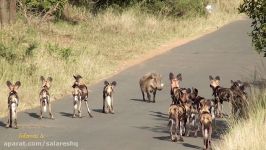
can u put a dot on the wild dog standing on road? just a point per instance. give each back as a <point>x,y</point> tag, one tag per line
<point>194,96</point>
<point>193,124</point>
<point>108,91</point>
<point>239,101</point>
<point>84,93</point>
<point>13,101</point>
<point>177,118</point>
<point>150,83</point>
<point>220,94</point>
<point>45,96</point>
<point>175,85</point>
<point>206,122</point>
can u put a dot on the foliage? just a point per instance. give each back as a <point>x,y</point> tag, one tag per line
<point>256,10</point>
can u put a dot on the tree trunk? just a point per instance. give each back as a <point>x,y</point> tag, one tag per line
<point>12,11</point>
<point>4,13</point>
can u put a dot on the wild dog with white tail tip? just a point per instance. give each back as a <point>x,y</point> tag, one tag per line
<point>206,123</point>
<point>45,101</point>
<point>83,94</point>
<point>108,91</point>
<point>13,102</point>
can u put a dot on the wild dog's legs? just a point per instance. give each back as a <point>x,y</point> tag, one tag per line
<point>88,109</point>
<point>154,94</point>
<point>180,124</point>
<point>103,111</point>
<point>15,120</point>
<point>197,130</point>
<point>8,124</point>
<point>171,122</point>
<point>50,109</point>
<point>41,109</point>
<point>75,107</point>
<point>112,105</point>
<point>209,137</point>
<point>79,109</point>
<point>204,136</point>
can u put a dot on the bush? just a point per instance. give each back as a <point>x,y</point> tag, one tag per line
<point>43,6</point>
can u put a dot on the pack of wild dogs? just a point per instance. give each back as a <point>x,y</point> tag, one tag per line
<point>188,111</point>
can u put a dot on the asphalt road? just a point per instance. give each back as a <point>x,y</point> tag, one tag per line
<point>137,125</point>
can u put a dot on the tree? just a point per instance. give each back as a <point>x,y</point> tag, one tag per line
<point>256,10</point>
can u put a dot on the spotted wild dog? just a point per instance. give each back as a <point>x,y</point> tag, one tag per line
<point>13,102</point>
<point>83,93</point>
<point>220,94</point>
<point>206,122</point>
<point>193,123</point>
<point>175,85</point>
<point>150,83</point>
<point>195,98</point>
<point>108,91</point>
<point>177,118</point>
<point>239,100</point>
<point>45,101</point>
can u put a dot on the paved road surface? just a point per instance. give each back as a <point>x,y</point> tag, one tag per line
<point>137,125</point>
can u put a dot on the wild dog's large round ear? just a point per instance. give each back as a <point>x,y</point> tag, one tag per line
<point>9,84</point>
<point>232,82</point>
<point>106,83</point>
<point>179,77</point>
<point>17,85</point>
<point>217,78</point>
<point>75,77</point>
<point>171,76</point>
<point>188,90</point>
<point>210,77</point>
<point>114,83</point>
<point>50,79</point>
<point>42,78</point>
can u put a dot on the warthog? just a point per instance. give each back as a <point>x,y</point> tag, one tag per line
<point>13,101</point>
<point>150,83</point>
<point>45,96</point>
<point>108,92</point>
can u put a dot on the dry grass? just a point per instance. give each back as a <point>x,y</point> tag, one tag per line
<point>93,48</point>
<point>247,134</point>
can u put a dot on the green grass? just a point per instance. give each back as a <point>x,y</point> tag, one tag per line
<point>94,48</point>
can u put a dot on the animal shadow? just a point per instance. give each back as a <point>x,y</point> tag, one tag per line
<point>33,115</point>
<point>65,114</point>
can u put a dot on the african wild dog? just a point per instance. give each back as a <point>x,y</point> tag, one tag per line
<point>239,101</point>
<point>108,91</point>
<point>44,95</point>
<point>177,118</point>
<point>193,124</point>
<point>175,86</point>
<point>206,122</point>
<point>150,83</point>
<point>81,94</point>
<point>13,102</point>
<point>220,94</point>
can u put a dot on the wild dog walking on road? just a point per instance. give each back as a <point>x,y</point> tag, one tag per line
<point>220,94</point>
<point>44,95</point>
<point>175,86</point>
<point>108,92</point>
<point>13,102</point>
<point>177,119</point>
<point>150,83</point>
<point>206,122</point>
<point>83,94</point>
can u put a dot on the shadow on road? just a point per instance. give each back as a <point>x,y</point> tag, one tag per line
<point>70,115</point>
<point>163,138</point>
<point>159,115</point>
<point>220,128</point>
<point>98,110</point>
<point>136,99</point>
<point>33,115</point>
<point>191,146</point>
<point>2,124</point>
